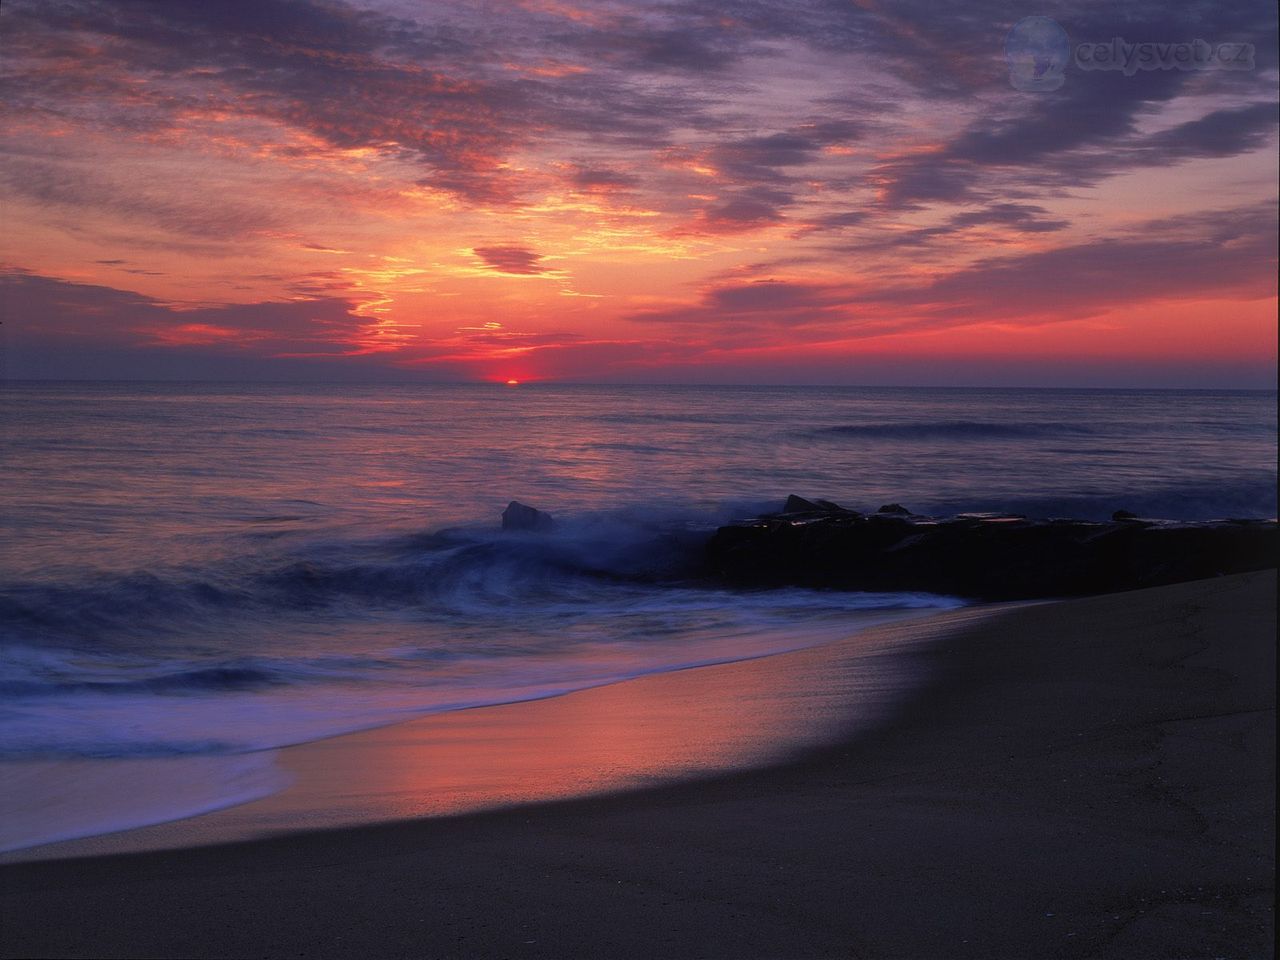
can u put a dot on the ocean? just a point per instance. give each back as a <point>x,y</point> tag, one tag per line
<point>206,572</point>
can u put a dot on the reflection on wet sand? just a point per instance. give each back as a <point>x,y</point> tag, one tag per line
<point>626,735</point>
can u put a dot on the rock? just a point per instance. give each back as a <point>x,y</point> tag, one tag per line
<point>800,505</point>
<point>519,516</point>
<point>895,508</point>
<point>1123,515</point>
<point>1000,558</point>
<point>796,504</point>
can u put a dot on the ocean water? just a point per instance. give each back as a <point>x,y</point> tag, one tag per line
<point>200,573</point>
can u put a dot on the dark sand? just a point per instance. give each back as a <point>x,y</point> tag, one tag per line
<point>1087,779</point>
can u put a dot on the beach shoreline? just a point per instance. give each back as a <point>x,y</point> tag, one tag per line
<point>665,726</point>
<point>1087,778</point>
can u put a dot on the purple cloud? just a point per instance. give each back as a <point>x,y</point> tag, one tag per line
<point>511,259</point>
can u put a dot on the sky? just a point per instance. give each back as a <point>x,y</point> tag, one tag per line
<point>791,191</point>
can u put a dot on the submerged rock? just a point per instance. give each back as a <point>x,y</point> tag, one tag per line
<point>520,516</point>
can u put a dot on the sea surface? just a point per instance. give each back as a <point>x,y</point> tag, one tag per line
<point>206,572</point>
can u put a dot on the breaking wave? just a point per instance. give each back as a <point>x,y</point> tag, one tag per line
<point>253,653</point>
<point>954,430</point>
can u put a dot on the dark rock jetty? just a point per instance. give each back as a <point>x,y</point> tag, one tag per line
<point>817,543</point>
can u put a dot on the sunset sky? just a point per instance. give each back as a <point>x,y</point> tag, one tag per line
<point>791,191</point>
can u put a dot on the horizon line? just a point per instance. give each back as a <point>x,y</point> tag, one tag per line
<point>5,381</point>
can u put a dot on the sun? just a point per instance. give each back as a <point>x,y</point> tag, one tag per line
<point>513,383</point>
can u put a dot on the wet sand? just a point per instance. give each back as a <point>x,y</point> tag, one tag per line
<point>646,731</point>
<point>1082,779</point>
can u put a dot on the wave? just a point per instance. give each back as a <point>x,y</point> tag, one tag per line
<point>306,639</point>
<point>478,573</point>
<point>103,603</point>
<point>64,704</point>
<point>954,429</point>
<point>649,417</point>
<point>1245,499</point>
<point>447,573</point>
<point>251,653</point>
<point>198,680</point>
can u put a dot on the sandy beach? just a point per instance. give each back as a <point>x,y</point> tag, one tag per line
<point>1091,778</point>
